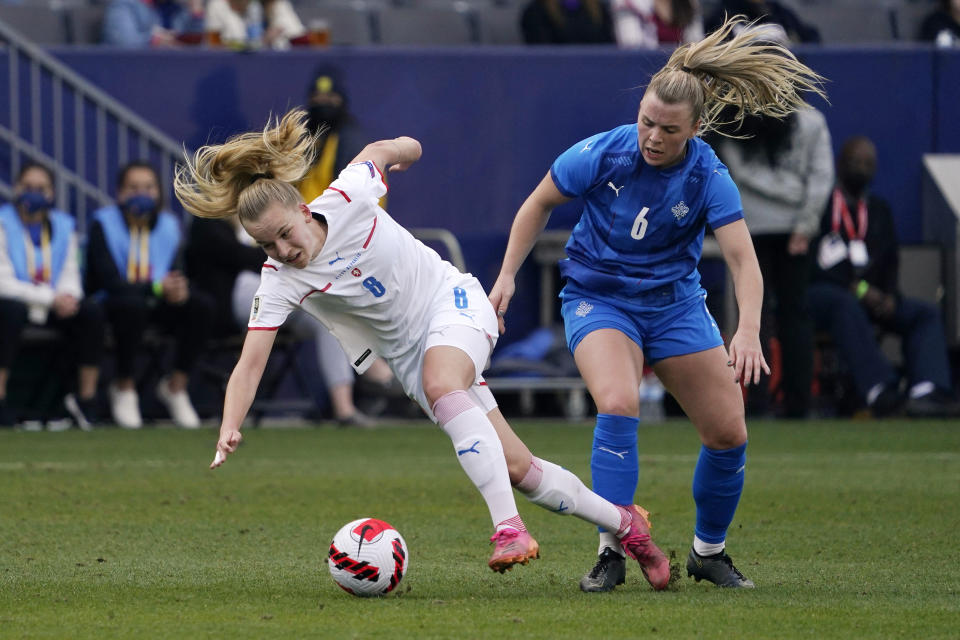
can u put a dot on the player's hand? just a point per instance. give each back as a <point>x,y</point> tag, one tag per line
<point>798,244</point>
<point>408,152</point>
<point>229,441</point>
<point>65,305</point>
<point>176,289</point>
<point>746,358</point>
<point>500,296</point>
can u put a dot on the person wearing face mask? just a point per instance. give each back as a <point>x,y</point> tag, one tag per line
<point>328,115</point>
<point>132,264</point>
<point>40,285</point>
<point>854,288</point>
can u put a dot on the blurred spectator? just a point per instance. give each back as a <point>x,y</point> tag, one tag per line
<point>340,141</point>
<point>648,24</point>
<point>40,284</point>
<point>942,26</point>
<point>855,287</point>
<point>784,169</point>
<point>250,24</point>
<point>329,115</point>
<point>157,23</point>
<point>766,12</point>
<point>132,265</point>
<point>566,22</point>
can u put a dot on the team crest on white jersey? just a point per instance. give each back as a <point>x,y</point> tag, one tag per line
<point>584,308</point>
<point>680,210</point>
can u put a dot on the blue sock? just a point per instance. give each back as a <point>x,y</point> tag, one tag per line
<point>717,485</point>
<point>614,463</point>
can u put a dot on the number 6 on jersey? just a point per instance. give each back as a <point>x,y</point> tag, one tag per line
<point>640,224</point>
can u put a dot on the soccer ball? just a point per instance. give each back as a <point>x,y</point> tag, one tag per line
<point>368,557</point>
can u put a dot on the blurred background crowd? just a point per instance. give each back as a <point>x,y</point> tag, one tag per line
<point>117,309</point>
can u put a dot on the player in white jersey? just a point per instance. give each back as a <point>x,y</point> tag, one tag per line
<point>382,293</point>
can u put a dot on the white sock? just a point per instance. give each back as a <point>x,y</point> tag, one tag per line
<point>610,541</point>
<point>922,389</point>
<point>874,393</point>
<point>707,548</point>
<point>558,490</point>
<point>480,455</point>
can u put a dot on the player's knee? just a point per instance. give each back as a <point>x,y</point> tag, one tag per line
<point>618,402</point>
<point>435,387</point>
<point>725,434</point>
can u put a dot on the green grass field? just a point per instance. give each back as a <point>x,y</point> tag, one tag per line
<point>849,529</point>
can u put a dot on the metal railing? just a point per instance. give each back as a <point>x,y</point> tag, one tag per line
<point>60,120</point>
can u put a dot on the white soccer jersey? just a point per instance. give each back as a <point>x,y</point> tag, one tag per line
<point>373,285</point>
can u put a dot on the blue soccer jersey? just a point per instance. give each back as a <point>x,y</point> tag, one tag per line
<point>641,227</point>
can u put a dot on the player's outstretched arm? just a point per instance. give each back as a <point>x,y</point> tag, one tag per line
<point>397,154</point>
<point>527,226</point>
<point>241,390</point>
<point>746,356</point>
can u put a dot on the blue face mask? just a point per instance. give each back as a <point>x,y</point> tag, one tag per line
<point>140,206</point>
<point>33,201</point>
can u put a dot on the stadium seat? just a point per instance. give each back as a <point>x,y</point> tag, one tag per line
<point>851,24</point>
<point>499,24</point>
<point>350,23</point>
<point>433,25</point>
<point>909,17</point>
<point>39,24</point>
<point>85,23</point>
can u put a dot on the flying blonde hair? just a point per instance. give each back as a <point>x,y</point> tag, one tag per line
<point>249,171</point>
<point>750,72</point>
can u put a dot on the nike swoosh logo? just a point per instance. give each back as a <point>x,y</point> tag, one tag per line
<point>363,536</point>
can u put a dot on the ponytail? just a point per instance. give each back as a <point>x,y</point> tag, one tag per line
<point>740,68</point>
<point>249,171</point>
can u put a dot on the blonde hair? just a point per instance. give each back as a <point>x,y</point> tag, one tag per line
<point>749,72</point>
<point>248,172</point>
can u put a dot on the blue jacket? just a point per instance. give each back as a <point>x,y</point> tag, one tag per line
<point>164,240</point>
<point>130,23</point>
<point>61,228</point>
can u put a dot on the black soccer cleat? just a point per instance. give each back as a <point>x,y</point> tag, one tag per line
<point>717,569</point>
<point>610,570</point>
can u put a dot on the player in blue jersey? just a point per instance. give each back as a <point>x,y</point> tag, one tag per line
<point>632,290</point>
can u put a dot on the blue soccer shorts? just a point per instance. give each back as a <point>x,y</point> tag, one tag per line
<point>673,329</point>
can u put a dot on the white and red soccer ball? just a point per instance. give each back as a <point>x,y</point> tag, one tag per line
<point>368,557</point>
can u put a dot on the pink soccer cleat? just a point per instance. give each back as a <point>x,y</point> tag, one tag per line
<point>512,547</point>
<point>638,545</point>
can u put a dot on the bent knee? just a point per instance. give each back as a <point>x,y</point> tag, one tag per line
<point>618,402</point>
<point>726,434</point>
<point>435,387</point>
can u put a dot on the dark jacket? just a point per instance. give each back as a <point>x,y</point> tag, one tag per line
<point>936,22</point>
<point>578,26</point>
<point>881,241</point>
<point>214,258</point>
<point>771,12</point>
